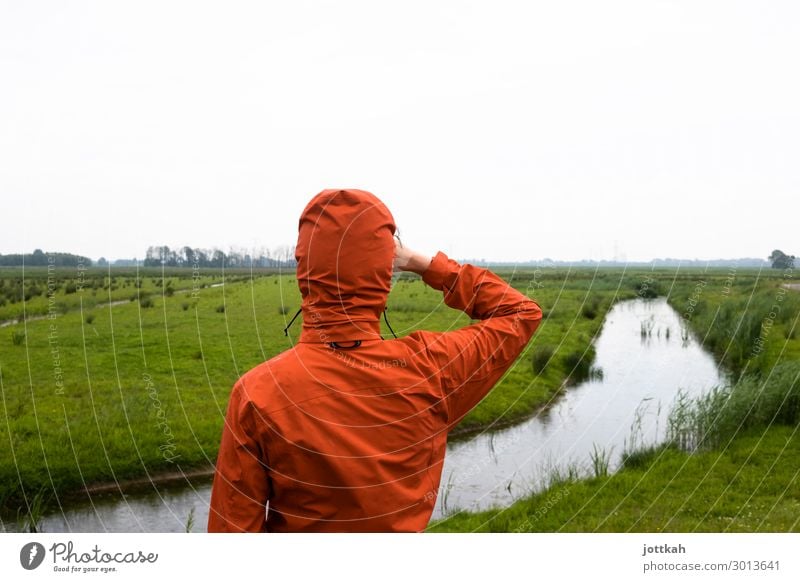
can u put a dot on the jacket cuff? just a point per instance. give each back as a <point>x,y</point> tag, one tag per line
<point>436,272</point>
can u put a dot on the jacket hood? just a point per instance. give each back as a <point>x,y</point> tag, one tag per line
<point>345,251</point>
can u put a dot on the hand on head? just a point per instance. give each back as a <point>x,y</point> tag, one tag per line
<point>406,259</point>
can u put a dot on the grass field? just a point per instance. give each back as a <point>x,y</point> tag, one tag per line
<point>128,376</point>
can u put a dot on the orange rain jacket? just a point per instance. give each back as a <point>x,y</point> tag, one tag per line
<point>340,438</point>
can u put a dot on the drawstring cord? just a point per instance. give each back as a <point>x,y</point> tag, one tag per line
<point>286,329</point>
<point>385,318</point>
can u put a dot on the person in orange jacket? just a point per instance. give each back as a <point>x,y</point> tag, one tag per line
<point>346,432</point>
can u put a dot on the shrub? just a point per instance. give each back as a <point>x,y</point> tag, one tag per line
<point>185,306</point>
<point>17,337</point>
<point>578,364</point>
<point>146,302</point>
<point>33,291</point>
<point>220,309</point>
<point>591,308</point>
<point>90,318</point>
<point>540,358</point>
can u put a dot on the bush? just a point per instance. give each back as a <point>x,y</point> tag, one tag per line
<point>90,318</point>
<point>185,306</point>
<point>146,302</point>
<point>578,364</point>
<point>540,358</point>
<point>17,337</point>
<point>220,309</point>
<point>33,291</point>
<point>70,288</point>
<point>283,309</point>
<point>591,308</point>
<point>169,291</point>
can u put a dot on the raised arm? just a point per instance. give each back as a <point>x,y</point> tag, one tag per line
<point>474,358</point>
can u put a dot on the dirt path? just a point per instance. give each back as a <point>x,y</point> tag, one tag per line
<point>793,286</point>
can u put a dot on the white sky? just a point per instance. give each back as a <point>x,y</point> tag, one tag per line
<point>497,130</point>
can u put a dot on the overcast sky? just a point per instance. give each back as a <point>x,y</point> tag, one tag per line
<point>496,130</point>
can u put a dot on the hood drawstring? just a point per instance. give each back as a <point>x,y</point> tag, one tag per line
<point>286,329</point>
<point>385,318</point>
<point>387,323</point>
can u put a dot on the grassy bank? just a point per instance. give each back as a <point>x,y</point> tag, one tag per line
<point>748,320</point>
<point>752,485</point>
<point>108,388</point>
<point>730,464</point>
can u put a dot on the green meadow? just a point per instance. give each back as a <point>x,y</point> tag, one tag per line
<point>110,376</point>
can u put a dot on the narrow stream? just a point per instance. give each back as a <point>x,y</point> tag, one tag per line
<point>641,375</point>
<point>628,405</point>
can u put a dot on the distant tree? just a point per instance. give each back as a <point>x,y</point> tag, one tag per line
<point>188,256</point>
<point>38,258</point>
<point>781,260</point>
<point>218,259</point>
<point>102,262</point>
<point>151,258</point>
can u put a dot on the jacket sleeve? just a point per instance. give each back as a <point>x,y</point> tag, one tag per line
<point>240,490</point>
<point>474,358</point>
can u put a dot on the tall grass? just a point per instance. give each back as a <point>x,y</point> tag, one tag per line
<point>739,328</point>
<point>29,519</point>
<point>540,358</point>
<point>600,460</point>
<point>719,415</point>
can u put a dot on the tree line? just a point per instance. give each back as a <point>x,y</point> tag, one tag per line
<point>282,256</point>
<point>39,258</point>
<point>156,256</point>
